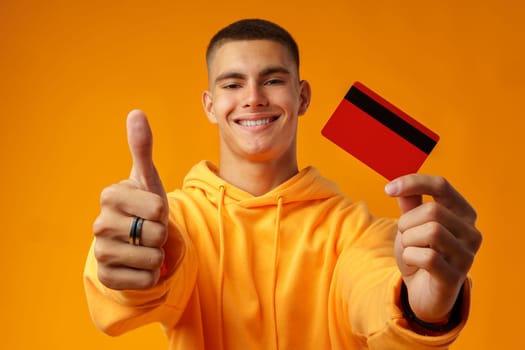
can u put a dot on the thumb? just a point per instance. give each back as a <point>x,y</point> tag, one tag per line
<point>407,202</point>
<point>140,141</point>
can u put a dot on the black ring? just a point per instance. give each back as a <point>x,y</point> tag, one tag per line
<point>132,229</point>
<point>135,230</point>
<point>138,232</point>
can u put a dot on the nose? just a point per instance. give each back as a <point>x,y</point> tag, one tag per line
<point>255,96</point>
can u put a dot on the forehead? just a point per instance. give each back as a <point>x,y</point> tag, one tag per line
<point>243,54</point>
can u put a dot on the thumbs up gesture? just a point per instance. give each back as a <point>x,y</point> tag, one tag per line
<point>125,263</point>
<point>435,245</point>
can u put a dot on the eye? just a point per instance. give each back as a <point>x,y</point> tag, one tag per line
<point>273,81</point>
<point>231,86</point>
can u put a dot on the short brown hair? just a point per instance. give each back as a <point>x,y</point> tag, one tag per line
<point>253,29</point>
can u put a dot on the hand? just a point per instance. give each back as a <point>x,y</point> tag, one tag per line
<point>122,265</point>
<point>435,245</point>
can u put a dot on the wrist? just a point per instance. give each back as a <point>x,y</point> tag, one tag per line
<point>428,328</point>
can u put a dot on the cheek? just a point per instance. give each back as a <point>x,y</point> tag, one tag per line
<point>291,105</point>
<point>288,99</point>
<point>223,105</point>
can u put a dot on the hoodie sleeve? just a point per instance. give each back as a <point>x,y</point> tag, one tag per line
<point>115,312</point>
<point>369,283</point>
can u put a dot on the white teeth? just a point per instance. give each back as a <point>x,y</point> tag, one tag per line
<point>257,122</point>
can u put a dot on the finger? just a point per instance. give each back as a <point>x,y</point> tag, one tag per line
<point>435,236</point>
<point>125,278</point>
<point>119,254</point>
<point>430,260</point>
<point>153,234</point>
<point>140,141</point>
<point>437,187</point>
<point>436,215</point>
<point>117,227</point>
<point>125,198</point>
<point>409,202</point>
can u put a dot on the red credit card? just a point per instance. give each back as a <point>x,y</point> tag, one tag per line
<point>379,134</point>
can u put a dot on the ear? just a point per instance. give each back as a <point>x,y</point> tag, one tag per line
<point>207,104</point>
<point>305,96</point>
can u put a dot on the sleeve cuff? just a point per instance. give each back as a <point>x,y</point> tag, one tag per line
<point>427,328</point>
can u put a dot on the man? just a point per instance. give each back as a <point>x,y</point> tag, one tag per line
<point>257,254</point>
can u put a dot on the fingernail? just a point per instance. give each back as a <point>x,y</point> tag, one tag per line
<point>392,188</point>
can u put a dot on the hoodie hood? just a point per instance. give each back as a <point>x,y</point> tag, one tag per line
<point>307,185</point>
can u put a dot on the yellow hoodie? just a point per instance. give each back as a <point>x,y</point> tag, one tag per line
<point>301,267</point>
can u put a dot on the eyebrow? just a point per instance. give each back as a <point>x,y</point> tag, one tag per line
<point>265,72</point>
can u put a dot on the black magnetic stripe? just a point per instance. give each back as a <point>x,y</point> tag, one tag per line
<point>390,119</point>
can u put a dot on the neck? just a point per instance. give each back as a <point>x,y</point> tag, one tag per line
<point>258,178</point>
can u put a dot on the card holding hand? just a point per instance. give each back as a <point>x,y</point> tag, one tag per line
<point>379,134</point>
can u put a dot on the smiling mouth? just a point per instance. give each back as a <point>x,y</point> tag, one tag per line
<point>257,122</point>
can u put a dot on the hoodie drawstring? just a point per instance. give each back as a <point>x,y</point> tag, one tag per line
<point>276,265</point>
<point>221,265</point>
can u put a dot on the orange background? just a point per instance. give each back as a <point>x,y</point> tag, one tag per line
<point>70,72</point>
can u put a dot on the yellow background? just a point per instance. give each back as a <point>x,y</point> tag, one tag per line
<point>71,70</point>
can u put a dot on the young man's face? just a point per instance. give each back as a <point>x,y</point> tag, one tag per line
<point>255,97</point>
